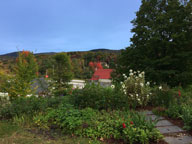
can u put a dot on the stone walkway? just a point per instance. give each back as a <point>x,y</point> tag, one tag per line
<point>173,134</point>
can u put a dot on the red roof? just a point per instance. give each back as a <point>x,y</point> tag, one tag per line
<point>102,74</point>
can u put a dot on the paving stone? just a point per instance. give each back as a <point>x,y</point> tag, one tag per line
<point>146,112</point>
<point>170,129</point>
<point>179,140</point>
<point>163,123</point>
<point>154,117</point>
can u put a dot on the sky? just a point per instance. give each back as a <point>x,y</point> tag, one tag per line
<point>65,25</point>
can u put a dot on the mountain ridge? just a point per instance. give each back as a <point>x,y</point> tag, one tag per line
<point>15,54</point>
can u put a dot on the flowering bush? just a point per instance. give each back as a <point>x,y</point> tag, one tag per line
<point>135,88</point>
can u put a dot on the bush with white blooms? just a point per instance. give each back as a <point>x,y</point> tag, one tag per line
<point>135,88</point>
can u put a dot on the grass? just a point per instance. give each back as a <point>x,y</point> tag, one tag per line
<point>13,134</point>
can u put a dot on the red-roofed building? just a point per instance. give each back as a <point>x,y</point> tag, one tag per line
<point>103,76</point>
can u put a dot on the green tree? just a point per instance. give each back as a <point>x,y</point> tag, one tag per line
<point>62,71</point>
<point>162,42</point>
<point>24,73</point>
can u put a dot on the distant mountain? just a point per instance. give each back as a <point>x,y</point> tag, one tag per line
<point>105,50</point>
<point>15,54</point>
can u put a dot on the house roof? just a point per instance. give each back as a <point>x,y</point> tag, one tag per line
<point>102,74</point>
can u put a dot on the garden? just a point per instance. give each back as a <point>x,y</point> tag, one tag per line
<point>154,73</point>
<point>97,114</point>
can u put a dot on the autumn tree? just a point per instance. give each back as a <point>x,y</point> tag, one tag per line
<point>25,72</point>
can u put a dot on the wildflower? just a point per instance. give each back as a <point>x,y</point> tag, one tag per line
<point>179,93</point>
<point>123,86</point>
<point>131,122</point>
<point>148,83</point>
<point>131,74</point>
<point>124,126</point>
<point>131,95</point>
<point>112,86</point>
<point>140,75</point>
<point>124,75</point>
<point>46,76</point>
<point>137,95</point>
<point>141,84</point>
<point>130,70</point>
<point>160,87</point>
<point>29,95</point>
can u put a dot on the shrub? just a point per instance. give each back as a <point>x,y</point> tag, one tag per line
<point>97,97</point>
<point>174,111</point>
<point>186,116</point>
<point>28,106</point>
<point>135,88</point>
<point>162,96</point>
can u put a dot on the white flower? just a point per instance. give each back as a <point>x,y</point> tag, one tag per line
<point>121,82</point>
<point>131,95</point>
<point>143,73</point>
<point>112,86</point>
<point>131,74</point>
<point>140,75</point>
<point>123,86</point>
<point>141,84</point>
<point>130,70</point>
<point>124,75</point>
<point>137,95</point>
<point>160,87</point>
<point>150,93</point>
<point>29,95</point>
<point>147,95</point>
<point>138,71</point>
<point>148,83</point>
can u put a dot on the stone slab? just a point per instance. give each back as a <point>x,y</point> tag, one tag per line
<point>163,123</point>
<point>154,117</point>
<point>179,140</point>
<point>170,129</point>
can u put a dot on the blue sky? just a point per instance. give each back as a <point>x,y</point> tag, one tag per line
<point>65,25</point>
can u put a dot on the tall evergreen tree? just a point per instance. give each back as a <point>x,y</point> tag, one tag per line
<point>162,42</point>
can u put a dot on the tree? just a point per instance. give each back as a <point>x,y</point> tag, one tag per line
<point>24,73</point>
<point>162,42</point>
<point>62,71</point>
